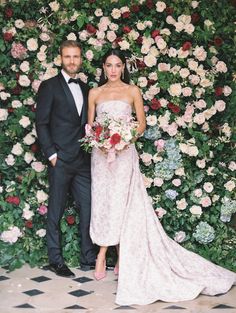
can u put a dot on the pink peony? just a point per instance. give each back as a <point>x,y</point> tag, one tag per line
<point>18,51</point>
<point>42,210</point>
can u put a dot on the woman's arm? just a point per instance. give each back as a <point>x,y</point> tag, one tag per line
<point>139,110</point>
<point>91,105</point>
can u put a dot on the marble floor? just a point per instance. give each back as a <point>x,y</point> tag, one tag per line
<point>39,290</point>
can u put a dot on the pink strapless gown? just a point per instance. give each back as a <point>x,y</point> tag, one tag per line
<point>152,265</point>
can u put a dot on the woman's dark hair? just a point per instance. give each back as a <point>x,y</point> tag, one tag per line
<point>125,77</point>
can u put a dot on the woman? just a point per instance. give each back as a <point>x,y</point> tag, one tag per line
<point>151,266</point>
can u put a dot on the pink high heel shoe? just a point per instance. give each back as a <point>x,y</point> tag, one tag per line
<point>116,270</point>
<point>100,275</point>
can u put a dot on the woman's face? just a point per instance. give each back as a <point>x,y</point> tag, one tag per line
<point>113,68</point>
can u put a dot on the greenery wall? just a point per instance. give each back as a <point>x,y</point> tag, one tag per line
<point>181,54</point>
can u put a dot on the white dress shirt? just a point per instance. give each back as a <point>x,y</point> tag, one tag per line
<point>78,98</point>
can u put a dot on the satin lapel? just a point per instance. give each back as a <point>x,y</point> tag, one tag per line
<point>85,105</point>
<point>69,96</point>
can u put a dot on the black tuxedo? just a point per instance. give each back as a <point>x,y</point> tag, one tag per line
<point>59,128</point>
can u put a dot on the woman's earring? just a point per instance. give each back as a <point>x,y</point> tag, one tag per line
<point>105,76</point>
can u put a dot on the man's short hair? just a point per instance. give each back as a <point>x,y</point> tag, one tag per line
<point>70,43</point>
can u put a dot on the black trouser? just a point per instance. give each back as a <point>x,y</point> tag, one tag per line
<point>65,177</point>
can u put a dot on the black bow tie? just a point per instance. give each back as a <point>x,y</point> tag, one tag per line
<point>73,80</point>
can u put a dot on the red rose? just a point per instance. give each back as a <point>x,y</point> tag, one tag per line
<point>127,29</point>
<point>149,4</point>
<point>8,12</point>
<point>218,41</point>
<point>29,224</point>
<point>135,8</point>
<point>156,104</point>
<point>34,148</point>
<point>150,82</point>
<point>141,64</point>
<point>187,45</point>
<point>126,14</point>
<point>174,108</point>
<point>13,200</point>
<point>115,138</point>
<point>118,39</point>
<point>70,219</point>
<point>139,40</point>
<point>7,36</point>
<point>98,131</point>
<point>169,10</point>
<point>17,90</point>
<point>155,33</point>
<point>218,91</point>
<point>10,110</point>
<point>90,29</point>
<point>195,17</point>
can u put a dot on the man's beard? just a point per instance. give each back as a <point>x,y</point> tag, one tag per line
<point>69,70</point>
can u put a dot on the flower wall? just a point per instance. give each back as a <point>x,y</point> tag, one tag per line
<point>180,54</point>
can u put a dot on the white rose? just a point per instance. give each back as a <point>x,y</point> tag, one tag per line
<point>194,4</point>
<point>10,160</point>
<point>180,171</point>
<point>29,139</point>
<point>24,66</point>
<point>189,29</point>
<point>226,129</point>
<point>44,37</point>
<point>17,149</point>
<point>146,158</point>
<point>186,91</point>
<point>200,53</point>
<point>151,120</point>
<point>111,35</point>
<point>71,36</point>
<point>232,166</point>
<point>200,104</point>
<point>176,182</point>
<point>98,12</point>
<point>179,236</point>
<point>160,6</point>
<point>179,26</point>
<point>230,185</point>
<point>184,72</point>
<point>24,121</point>
<point>208,187</point>
<point>192,64</point>
<point>201,163</point>
<point>181,204</point>
<point>220,105</point>
<point>160,212</point>
<point>196,210</point>
<point>124,45</point>
<point>57,60</point>
<point>205,202</point>
<point>197,192</point>
<point>113,26</point>
<point>160,42</point>
<point>3,114</point>
<point>133,35</point>
<point>193,151</point>
<point>11,235</point>
<point>41,232</point>
<point>19,23</point>
<point>215,198</point>
<point>147,181</point>
<point>150,60</point>
<point>185,19</point>
<point>54,6</point>
<point>32,44</point>
<point>89,55</point>
<point>163,67</point>
<point>172,52</point>
<point>41,196</point>
<point>140,26</point>
<point>170,20</point>
<point>116,14</point>
<point>175,90</point>
<point>208,23</point>
<point>194,79</point>
<point>158,182</point>
<point>24,81</point>
<point>221,67</point>
<point>29,157</point>
<point>142,82</point>
<point>27,214</point>
<point>38,166</point>
<point>83,35</point>
<point>209,112</point>
<point>199,119</point>
<point>227,91</point>
<point>16,104</point>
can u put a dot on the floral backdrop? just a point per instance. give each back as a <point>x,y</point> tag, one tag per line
<point>180,54</point>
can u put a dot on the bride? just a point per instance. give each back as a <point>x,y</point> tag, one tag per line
<point>150,266</point>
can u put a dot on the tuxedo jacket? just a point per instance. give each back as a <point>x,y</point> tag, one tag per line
<point>58,124</point>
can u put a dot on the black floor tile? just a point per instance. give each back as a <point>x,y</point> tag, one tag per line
<point>125,307</point>
<point>25,306</point>
<point>174,307</point>
<point>83,279</point>
<point>223,306</point>
<point>33,292</point>
<point>3,278</point>
<point>40,279</point>
<point>80,293</point>
<point>74,307</point>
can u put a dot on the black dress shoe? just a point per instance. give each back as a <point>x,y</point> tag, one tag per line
<point>61,270</point>
<point>87,266</point>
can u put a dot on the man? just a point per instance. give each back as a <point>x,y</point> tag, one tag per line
<point>60,118</point>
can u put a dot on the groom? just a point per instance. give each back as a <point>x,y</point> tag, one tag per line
<point>60,118</point>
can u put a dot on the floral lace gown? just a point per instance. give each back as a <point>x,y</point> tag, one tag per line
<point>152,265</point>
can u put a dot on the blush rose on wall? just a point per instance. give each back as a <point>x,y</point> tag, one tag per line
<point>180,54</point>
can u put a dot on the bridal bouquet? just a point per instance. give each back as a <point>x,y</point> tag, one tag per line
<point>110,134</point>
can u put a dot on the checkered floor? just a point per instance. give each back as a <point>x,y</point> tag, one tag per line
<point>39,290</point>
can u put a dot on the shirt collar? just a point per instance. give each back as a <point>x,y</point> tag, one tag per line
<point>66,76</point>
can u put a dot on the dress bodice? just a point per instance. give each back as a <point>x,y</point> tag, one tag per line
<point>114,108</point>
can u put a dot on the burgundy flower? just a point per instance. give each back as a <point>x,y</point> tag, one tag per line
<point>33,108</point>
<point>195,17</point>
<point>187,45</point>
<point>10,110</point>
<point>34,148</point>
<point>16,90</point>
<point>218,91</point>
<point>218,41</point>
<point>126,14</point>
<point>174,108</point>
<point>135,8</point>
<point>8,12</point>
<point>29,224</point>
<point>127,29</point>
<point>150,82</point>
<point>155,33</point>
<point>90,29</point>
<point>70,219</point>
<point>139,40</point>
<point>118,39</point>
<point>156,104</point>
<point>141,64</point>
<point>149,4</point>
<point>13,200</point>
<point>17,76</point>
<point>169,10</point>
<point>115,138</point>
<point>7,36</point>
